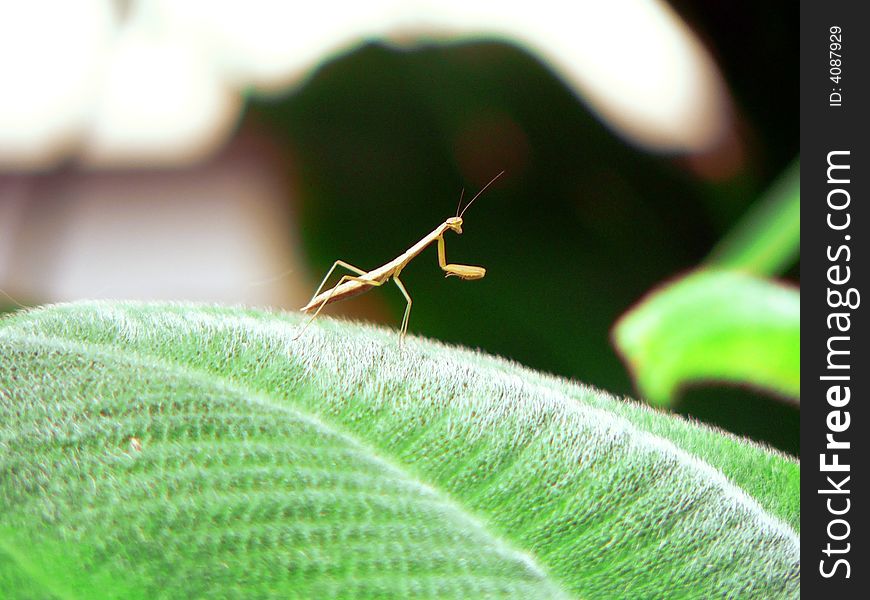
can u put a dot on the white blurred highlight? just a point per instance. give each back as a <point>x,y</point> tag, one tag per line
<point>163,84</point>
<point>161,97</point>
<point>267,44</point>
<point>634,62</point>
<point>638,65</point>
<point>52,57</point>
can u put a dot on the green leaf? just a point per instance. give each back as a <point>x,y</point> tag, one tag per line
<point>713,325</point>
<point>182,451</point>
<point>767,240</point>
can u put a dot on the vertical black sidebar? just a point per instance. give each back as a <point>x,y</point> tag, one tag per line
<point>835,370</point>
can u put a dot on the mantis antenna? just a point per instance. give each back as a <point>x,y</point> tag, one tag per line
<point>477,195</point>
<point>458,206</point>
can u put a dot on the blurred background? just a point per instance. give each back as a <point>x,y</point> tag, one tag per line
<point>230,152</point>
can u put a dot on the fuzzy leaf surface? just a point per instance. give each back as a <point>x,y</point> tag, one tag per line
<point>156,450</point>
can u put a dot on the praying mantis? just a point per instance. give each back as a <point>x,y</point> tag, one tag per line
<point>362,281</point>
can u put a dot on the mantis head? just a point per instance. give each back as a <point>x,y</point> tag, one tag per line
<point>455,223</point>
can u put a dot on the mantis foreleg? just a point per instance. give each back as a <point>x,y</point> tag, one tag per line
<point>461,271</point>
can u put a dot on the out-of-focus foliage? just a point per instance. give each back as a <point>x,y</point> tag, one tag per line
<point>767,240</point>
<point>182,451</point>
<point>721,324</point>
<point>714,325</point>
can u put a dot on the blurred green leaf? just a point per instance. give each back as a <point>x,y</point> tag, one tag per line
<point>342,465</point>
<point>767,240</point>
<point>713,325</point>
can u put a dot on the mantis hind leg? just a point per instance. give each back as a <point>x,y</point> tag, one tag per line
<point>338,263</point>
<point>404,330</point>
<point>344,279</point>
